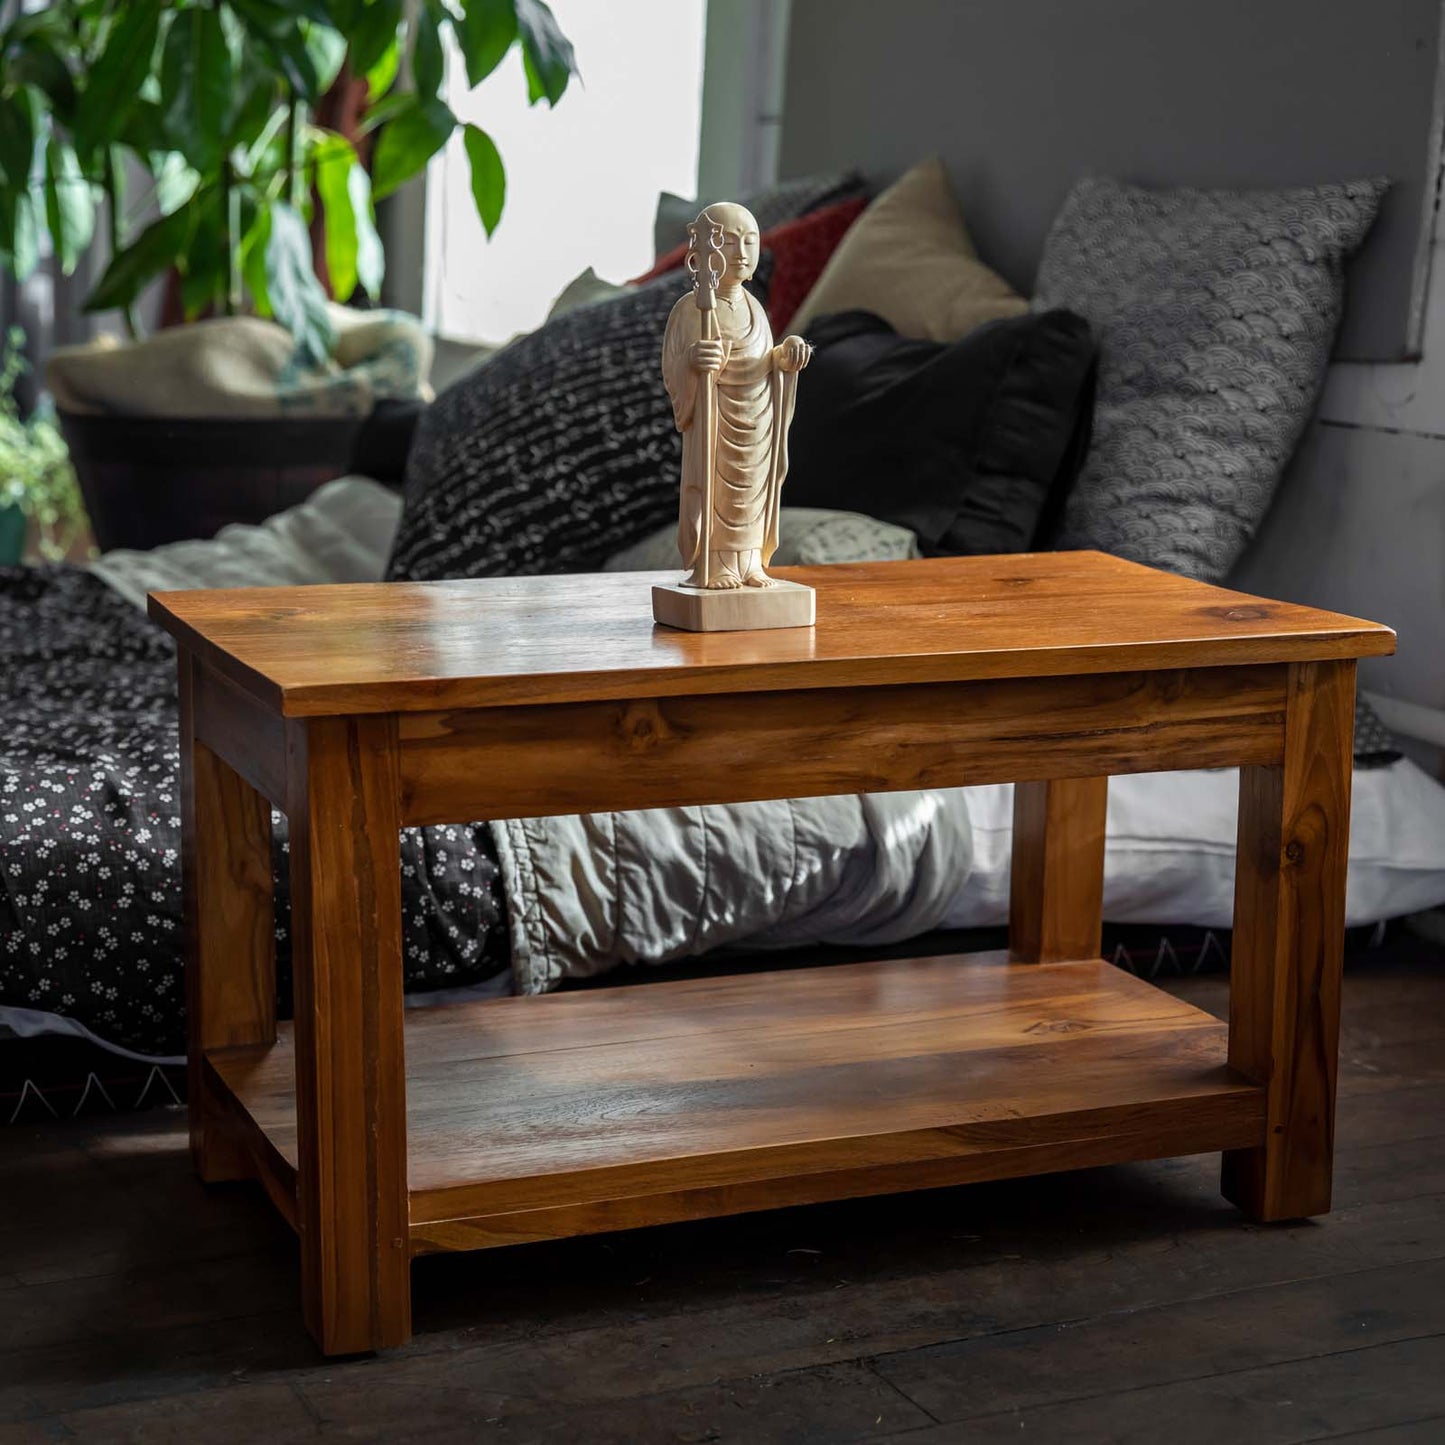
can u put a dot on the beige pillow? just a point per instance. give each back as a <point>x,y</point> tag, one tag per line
<point>908,258</point>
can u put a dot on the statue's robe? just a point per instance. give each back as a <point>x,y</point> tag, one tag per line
<point>748,459</point>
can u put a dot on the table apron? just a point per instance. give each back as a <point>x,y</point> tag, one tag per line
<point>534,761</point>
<point>246,734</point>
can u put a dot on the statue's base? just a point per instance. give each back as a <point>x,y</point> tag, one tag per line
<point>733,609</point>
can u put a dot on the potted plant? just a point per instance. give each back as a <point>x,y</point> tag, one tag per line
<point>38,489</point>
<point>219,118</point>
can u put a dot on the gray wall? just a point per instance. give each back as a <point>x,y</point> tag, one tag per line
<point>1021,97</point>
<point>742,95</point>
<point>1359,524</point>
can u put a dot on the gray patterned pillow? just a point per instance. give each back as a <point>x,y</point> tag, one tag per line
<point>806,536</point>
<point>1214,312</point>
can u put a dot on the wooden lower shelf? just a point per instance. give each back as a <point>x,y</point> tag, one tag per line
<point>535,1118</point>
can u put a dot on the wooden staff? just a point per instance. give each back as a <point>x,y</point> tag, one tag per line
<point>706,264</point>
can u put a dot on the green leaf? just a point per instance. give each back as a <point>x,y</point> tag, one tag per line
<point>196,86</point>
<point>17,140</point>
<point>297,300</point>
<point>427,64</point>
<point>204,269</point>
<point>115,79</point>
<point>385,109</point>
<point>253,254</point>
<point>489,179</point>
<point>485,33</point>
<point>373,33</point>
<point>381,75</point>
<point>69,203</point>
<point>24,237</point>
<point>276,31</point>
<point>323,12</point>
<point>143,131</point>
<point>408,142</point>
<point>160,245</point>
<point>335,160</point>
<point>175,179</point>
<point>353,247</point>
<point>259,100</point>
<point>370,253</point>
<point>327,49</point>
<point>547,54</point>
<point>38,61</point>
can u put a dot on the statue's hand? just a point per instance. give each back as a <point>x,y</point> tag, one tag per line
<point>793,353</point>
<point>706,356</point>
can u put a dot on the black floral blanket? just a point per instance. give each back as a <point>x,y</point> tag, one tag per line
<point>90,877</point>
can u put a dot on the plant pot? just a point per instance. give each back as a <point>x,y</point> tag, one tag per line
<point>151,480</point>
<point>12,535</point>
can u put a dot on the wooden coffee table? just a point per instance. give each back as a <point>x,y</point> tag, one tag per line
<point>358,710</point>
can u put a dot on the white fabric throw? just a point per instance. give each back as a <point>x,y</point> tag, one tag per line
<point>586,893</point>
<point>342,532</point>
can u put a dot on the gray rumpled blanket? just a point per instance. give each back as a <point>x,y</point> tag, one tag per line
<point>588,892</point>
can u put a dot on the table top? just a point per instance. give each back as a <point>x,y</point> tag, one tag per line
<point>419,646</point>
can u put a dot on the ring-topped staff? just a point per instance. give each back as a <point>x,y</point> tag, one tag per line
<point>706,264</point>
<point>733,393</point>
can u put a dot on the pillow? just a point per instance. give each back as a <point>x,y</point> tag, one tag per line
<point>795,253</point>
<point>550,457</point>
<point>1215,312</point>
<point>783,201</point>
<point>554,454</point>
<point>970,445</point>
<point>584,289</point>
<point>806,535</point>
<point>909,259</point>
<point>800,250</point>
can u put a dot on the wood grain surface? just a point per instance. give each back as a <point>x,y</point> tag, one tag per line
<point>1056,883</point>
<point>427,646</point>
<point>672,752</point>
<point>576,1112</point>
<point>350,1155</point>
<point>230,925</point>
<point>1288,950</point>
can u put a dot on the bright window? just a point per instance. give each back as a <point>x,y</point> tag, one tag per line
<point>582,180</point>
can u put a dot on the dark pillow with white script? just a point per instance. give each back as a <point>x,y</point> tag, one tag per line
<point>558,452</point>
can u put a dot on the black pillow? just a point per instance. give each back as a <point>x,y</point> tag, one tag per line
<point>551,456</point>
<point>555,454</point>
<point>973,444</point>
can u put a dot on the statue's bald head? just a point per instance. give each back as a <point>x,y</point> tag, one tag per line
<point>740,237</point>
<point>735,219</point>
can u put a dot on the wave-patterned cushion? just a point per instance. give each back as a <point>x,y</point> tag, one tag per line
<point>1214,312</point>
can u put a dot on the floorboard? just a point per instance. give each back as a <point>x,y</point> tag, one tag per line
<point>1123,1304</point>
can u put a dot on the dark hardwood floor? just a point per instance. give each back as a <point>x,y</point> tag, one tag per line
<point>1122,1305</point>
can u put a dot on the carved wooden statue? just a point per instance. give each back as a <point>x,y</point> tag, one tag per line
<point>732,396</point>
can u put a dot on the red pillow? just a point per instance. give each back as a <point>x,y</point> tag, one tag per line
<point>799,250</point>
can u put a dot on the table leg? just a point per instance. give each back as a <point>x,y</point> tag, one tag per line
<point>229,926</point>
<point>350,1057</point>
<point>1056,887</point>
<point>1289,923</point>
